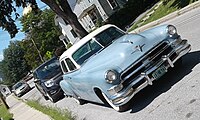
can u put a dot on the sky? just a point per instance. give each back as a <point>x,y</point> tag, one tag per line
<point>5,37</point>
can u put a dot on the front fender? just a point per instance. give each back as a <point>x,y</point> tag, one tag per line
<point>66,88</point>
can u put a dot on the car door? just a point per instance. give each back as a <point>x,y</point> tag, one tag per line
<point>76,86</point>
<point>81,86</point>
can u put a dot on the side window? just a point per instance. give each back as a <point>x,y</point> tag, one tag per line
<point>64,66</point>
<point>70,64</point>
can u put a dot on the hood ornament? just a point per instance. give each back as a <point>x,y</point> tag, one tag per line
<point>138,48</point>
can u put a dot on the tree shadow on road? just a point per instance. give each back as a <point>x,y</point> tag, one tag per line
<point>147,95</point>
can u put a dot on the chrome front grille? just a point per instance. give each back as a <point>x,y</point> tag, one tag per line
<point>153,56</point>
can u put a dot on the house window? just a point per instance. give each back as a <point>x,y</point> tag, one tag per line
<point>73,33</point>
<point>113,3</point>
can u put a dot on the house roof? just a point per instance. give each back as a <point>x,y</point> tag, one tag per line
<point>84,40</point>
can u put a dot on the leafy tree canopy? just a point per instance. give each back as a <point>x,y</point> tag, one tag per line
<point>40,28</point>
<point>14,65</point>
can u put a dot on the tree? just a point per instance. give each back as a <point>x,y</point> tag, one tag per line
<point>41,29</point>
<point>60,7</point>
<point>15,66</point>
<point>3,70</point>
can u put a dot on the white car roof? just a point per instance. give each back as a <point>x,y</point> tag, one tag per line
<point>72,49</point>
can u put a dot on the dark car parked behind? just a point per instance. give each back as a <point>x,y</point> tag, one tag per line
<point>47,78</point>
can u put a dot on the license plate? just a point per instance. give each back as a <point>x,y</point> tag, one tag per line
<point>159,72</point>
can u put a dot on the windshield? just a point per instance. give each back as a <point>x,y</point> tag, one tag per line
<point>48,70</point>
<point>17,85</point>
<point>100,41</point>
<point>106,37</point>
<point>86,51</point>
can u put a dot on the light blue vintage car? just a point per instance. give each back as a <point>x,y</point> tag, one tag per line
<point>110,66</point>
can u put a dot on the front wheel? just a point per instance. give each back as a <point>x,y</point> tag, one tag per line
<point>43,95</point>
<point>51,98</point>
<point>117,108</point>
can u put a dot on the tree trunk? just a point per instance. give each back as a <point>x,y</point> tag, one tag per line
<point>75,24</point>
<point>64,11</point>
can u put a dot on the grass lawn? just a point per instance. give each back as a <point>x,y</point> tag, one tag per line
<point>4,113</point>
<point>54,113</point>
<point>167,7</point>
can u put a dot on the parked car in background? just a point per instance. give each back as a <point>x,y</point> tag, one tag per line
<point>20,88</point>
<point>47,78</point>
<point>109,66</point>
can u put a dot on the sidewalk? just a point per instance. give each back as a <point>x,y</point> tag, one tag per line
<point>21,111</point>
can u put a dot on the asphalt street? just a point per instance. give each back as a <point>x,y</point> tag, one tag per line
<point>176,96</point>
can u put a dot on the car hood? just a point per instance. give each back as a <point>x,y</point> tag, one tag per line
<point>123,52</point>
<point>56,78</point>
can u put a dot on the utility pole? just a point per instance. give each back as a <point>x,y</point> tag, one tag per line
<point>37,50</point>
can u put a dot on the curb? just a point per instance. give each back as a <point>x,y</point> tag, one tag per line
<point>167,17</point>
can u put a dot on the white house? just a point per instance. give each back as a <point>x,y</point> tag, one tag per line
<point>89,13</point>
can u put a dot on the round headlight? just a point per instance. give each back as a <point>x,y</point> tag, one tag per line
<point>110,76</point>
<point>171,30</point>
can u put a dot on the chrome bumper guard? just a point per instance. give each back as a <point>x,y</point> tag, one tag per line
<point>126,94</point>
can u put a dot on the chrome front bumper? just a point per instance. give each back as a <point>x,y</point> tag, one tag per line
<point>123,96</point>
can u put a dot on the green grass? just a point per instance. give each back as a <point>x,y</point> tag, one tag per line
<point>4,113</point>
<point>164,9</point>
<point>54,113</point>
